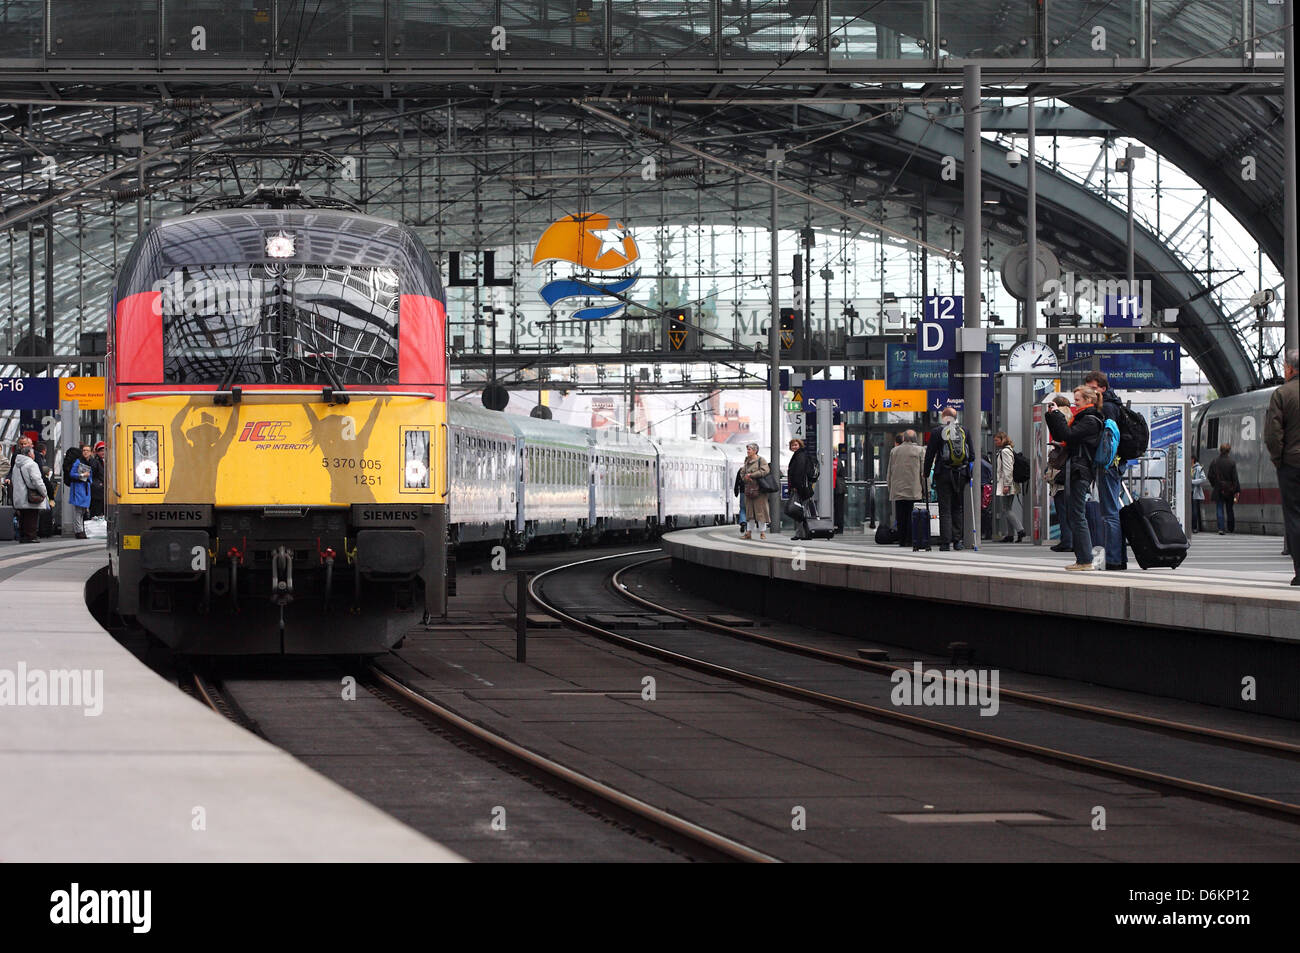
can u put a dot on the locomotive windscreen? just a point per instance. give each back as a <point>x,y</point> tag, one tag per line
<point>280,324</point>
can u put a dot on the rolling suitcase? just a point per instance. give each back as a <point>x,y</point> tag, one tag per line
<point>45,527</point>
<point>7,523</point>
<point>920,527</point>
<point>1153,531</point>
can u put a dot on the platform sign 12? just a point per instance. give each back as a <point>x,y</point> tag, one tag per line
<point>936,335</point>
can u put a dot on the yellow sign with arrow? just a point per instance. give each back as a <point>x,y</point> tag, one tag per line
<point>877,399</point>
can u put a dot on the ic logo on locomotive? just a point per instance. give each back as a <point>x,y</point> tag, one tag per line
<point>264,431</point>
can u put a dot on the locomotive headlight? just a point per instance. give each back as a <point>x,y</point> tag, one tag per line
<point>145,459</point>
<point>416,472</point>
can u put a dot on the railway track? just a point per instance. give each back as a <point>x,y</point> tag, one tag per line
<point>632,814</point>
<point>1244,771</point>
<point>699,842</point>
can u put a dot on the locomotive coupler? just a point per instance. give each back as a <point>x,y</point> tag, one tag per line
<point>282,576</point>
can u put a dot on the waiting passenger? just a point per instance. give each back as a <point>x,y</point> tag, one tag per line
<point>1057,458</point>
<point>1282,437</point>
<point>1224,487</point>
<point>30,495</point>
<point>80,476</point>
<point>1006,486</point>
<point>1080,437</point>
<point>1108,477</point>
<point>739,491</point>
<point>753,470</point>
<point>905,484</point>
<point>948,452</point>
<point>1199,482</point>
<point>804,471</point>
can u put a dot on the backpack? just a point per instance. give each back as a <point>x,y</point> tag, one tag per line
<point>1020,468</point>
<point>814,467</point>
<point>1107,445</point>
<point>1134,433</point>
<point>955,451</point>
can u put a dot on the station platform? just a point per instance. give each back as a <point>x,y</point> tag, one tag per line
<point>103,760</point>
<point>1227,613</point>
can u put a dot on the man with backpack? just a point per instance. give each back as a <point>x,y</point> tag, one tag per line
<point>1134,437</point>
<point>948,452</point>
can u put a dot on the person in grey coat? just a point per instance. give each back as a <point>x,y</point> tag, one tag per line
<point>905,486</point>
<point>25,476</point>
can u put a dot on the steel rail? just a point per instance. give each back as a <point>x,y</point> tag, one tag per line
<point>1281,809</point>
<point>888,668</point>
<point>656,816</point>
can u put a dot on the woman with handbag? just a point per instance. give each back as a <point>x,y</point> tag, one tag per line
<point>757,476</point>
<point>29,494</point>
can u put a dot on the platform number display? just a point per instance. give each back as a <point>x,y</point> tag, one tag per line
<point>936,335</point>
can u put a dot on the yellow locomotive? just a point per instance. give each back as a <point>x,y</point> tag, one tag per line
<point>277,402</point>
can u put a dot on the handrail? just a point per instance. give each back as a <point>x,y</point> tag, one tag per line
<point>244,394</point>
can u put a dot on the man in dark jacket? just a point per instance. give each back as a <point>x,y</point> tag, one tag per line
<point>1108,478</point>
<point>98,467</point>
<point>1080,437</point>
<point>950,480</point>
<point>1282,437</point>
<point>1225,486</point>
<point>802,475</point>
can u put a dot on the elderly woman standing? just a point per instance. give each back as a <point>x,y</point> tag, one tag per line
<point>30,494</point>
<point>754,468</point>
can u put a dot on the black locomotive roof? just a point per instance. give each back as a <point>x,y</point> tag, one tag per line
<point>238,236</point>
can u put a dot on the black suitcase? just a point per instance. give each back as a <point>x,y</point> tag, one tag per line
<point>1153,531</point>
<point>7,523</point>
<point>45,527</point>
<point>819,527</point>
<point>920,527</point>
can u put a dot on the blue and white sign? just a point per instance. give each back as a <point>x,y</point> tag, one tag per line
<point>1166,430</point>
<point>903,371</point>
<point>29,393</point>
<point>957,384</point>
<point>1133,365</point>
<point>1123,311</point>
<point>847,395</point>
<point>936,334</point>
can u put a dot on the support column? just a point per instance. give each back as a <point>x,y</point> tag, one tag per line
<point>972,362</point>
<point>1035,497</point>
<point>775,157</point>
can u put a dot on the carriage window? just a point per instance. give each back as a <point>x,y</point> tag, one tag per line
<point>1212,440</point>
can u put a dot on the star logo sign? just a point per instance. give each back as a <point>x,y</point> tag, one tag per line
<point>611,239</point>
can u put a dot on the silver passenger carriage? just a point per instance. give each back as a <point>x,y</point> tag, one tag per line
<point>623,481</point>
<point>694,484</point>
<point>483,450</point>
<point>555,479</point>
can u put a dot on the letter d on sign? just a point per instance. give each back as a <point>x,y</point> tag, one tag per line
<point>931,338</point>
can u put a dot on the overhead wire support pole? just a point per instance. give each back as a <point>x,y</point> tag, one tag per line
<point>972,361</point>
<point>775,157</point>
<point>1036,498</point>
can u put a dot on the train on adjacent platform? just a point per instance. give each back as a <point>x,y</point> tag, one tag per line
<point>1239,422</point>
<point>287,473</point>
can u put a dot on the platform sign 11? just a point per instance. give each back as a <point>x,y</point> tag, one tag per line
<point>1123,311</point>
<point>29,393</point>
